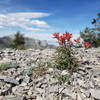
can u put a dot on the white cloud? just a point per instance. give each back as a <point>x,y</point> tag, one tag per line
<point>28,15</point>
<point>24,20</point>
<point>39,23</point>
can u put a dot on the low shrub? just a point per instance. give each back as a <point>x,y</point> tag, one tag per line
<point>39,71</point>
<point>63,78</point>
<point>27,72</point>
<point>7,65</point>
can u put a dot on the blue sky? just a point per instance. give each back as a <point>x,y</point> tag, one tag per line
<point>40,18</point>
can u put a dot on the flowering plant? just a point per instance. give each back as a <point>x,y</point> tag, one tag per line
<point>63,38</point>
<point>64,58</point>
<point>77,42</point>
<point>86,44</point>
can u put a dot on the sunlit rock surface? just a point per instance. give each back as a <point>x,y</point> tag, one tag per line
<point>25,82</point>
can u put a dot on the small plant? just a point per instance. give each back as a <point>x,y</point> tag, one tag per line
<point>64,54</point>
<point>63,78</point>
<point>86,44</point>
<point>7,65</point>
<point>78,42</point>
<point>27,72</point>
<point>39,71</point>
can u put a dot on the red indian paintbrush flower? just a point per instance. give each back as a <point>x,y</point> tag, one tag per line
<point>56,35</point>
<point>78,40</point>
<point>67,35</point>
<point>61,39</point>
<point>86,44</point>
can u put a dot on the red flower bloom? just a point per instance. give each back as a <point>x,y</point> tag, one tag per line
<point>67,35</point>
<point>78,40</point>
<point>62,39</point>
<point>86,44</point>
<point>56,35</point>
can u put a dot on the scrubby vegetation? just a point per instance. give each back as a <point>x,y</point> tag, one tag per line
<point>27,72</point>
<point>7,65</point>
<point>18,42</point>
<point>63,78</point>
<point>64,59</point>
<point>92,35</point>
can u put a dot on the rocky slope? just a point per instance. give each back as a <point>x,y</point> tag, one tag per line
<point>33,77</point>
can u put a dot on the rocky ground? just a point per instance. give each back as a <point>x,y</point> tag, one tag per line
<point>31,76</point>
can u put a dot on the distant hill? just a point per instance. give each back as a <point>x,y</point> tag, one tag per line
<point>29,43</point>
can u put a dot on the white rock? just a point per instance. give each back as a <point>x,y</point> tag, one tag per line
<point>95,93</point>
<point>79,97</point>
<point>39,98</point>
<point>23,84</point>
<point>50,70</point>
<point>64,72</point>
